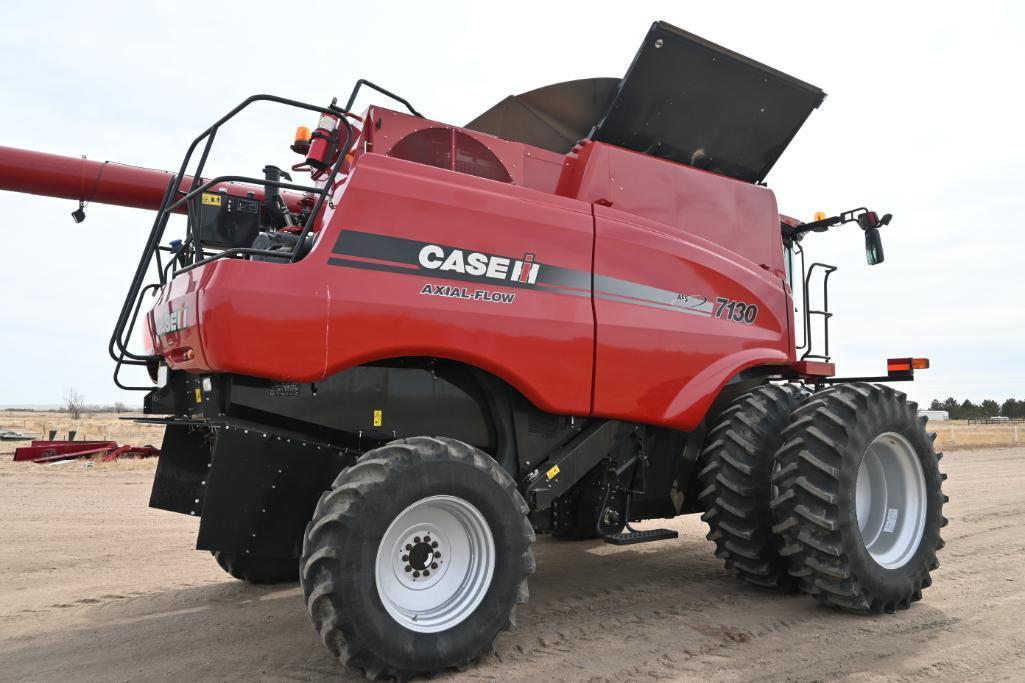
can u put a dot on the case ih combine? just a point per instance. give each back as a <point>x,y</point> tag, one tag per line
<point>574,313</point>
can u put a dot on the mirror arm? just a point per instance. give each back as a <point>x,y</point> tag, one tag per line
<point>851,216</point>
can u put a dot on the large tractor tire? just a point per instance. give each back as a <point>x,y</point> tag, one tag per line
<point>859,503</point>
<point>259,569</point>
<point>736,484</point>
<point>416,558</point>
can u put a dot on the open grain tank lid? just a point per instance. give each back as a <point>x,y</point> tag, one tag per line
<point>554,117</point>
<point>683,99</point>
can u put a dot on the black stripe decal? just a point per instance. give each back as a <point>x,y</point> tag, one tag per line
<point>404,252</point>
<point>446,275</point>
<point>380,247</point>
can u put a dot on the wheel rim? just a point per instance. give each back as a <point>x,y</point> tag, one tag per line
<point>435,563</point>
<point>890,500</point>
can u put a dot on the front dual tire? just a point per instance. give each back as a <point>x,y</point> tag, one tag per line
<point>838,493</point>
<point>859,502</point>
<point>416,558</point>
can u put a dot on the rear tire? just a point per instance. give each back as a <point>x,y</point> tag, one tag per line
<point>860,505</point>
<point>736,484</point>
<point>416,558</point>
<point>259,569</point>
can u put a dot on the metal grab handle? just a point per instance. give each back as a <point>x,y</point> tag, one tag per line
<point>826,315</point>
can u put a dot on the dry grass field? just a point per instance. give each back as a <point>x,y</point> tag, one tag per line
<point>91,427</point>
<point>950,435</point>
<point>958,434</point>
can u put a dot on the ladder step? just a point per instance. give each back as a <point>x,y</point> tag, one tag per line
<point>632,537</point>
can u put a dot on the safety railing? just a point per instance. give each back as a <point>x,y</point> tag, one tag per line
<point>190,253</point>
<point>807,336</point>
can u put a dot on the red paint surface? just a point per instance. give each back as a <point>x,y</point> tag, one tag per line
<point>599,209</point>
<point>621,214</point>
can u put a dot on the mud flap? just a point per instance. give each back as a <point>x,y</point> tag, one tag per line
<point>182,469</point>
<point>262,490</point>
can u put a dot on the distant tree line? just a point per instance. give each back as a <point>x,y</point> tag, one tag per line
<point>988,408</point>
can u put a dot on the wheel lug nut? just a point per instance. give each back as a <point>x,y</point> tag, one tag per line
<point>405,558</point>
<point>416,539</point>
<point>427,539</point>
<point>408,568</point>
<point>416,575</point>
<point>434,545</point>
<point>437,554</point>
<point>434,565</point>
<point>409,547</point>
<point>427,572</point>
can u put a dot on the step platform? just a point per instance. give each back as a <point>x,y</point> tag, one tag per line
<point>645,536</point>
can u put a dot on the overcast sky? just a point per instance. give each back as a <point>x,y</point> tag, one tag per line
<point>923,119</point>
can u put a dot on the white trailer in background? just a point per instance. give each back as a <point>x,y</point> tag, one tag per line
<point>934,414</point>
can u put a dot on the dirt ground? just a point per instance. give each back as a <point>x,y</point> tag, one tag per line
<point>94,586</point>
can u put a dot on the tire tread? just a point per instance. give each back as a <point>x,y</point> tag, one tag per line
<point>735,484</point>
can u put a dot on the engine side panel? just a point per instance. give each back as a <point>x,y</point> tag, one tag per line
<point>503,286</point>
<point>425,262</point>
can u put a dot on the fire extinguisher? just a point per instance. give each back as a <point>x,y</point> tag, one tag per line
<point>323,142</point>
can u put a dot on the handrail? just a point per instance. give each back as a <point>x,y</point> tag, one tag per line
<point>239,179</point>
<point>799,250</point>
<point>361,82</point>
<point>175,196</point>
<point>808,312</point>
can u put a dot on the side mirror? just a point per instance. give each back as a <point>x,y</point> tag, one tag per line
<point>873,246</point>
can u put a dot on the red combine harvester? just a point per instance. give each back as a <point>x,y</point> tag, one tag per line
<point>574,313</point>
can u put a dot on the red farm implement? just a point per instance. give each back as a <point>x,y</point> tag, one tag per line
<point>54,451</point>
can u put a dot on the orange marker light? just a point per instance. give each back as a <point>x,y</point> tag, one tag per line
<point>906,364</point>
<point>302,140</point>
<point>820,215</point>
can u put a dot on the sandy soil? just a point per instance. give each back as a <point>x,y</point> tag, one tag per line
<point>95,586</point>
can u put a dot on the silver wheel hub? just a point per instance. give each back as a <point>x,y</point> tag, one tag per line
<point>890,500</point>
<point>435,563</point>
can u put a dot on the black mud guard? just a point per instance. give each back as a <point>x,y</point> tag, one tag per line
<point>182,469</point>
<point>262,490</point>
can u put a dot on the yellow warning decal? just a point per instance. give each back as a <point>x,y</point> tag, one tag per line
<point>552,473</point>
<point>211,199</point>
<point>378,418</point>
<point>199,396</point>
